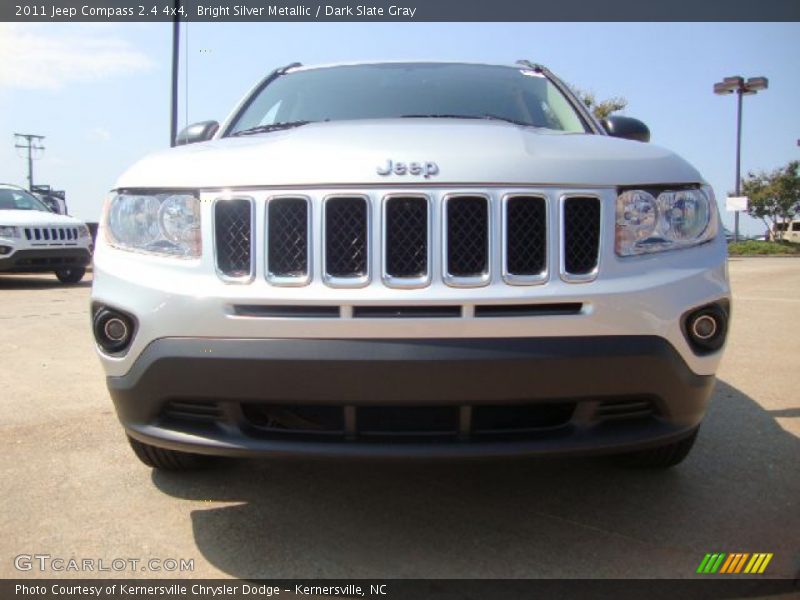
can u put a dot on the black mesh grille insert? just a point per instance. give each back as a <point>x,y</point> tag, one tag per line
<point>467,236</point>
<point>233,233</point>
<point>287,237</point>
<point>346,237</point>
<point>407,237</point>
<point>581,234</point>
<point>526,231</point>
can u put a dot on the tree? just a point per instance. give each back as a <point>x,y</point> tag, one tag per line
<point>774,197</point>
<point>600,108</point>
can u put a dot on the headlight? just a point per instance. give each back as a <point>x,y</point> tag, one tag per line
<point>650,221</point>
<point>83,231</point>
<point>166,223</point>
<point>7,231</point>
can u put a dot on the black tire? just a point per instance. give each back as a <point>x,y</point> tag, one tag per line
<point>169,460</point>
<point>661,457</point>
<point>71,275</point>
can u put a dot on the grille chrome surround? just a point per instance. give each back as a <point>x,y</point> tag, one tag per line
<point>222,271</point>
<point>52,235</point>
<point>564,271</point>
<point>273,275</point>
<point>393,279</point>
<point>359,279</point>
<point>483,278</point>
<point>508,229</point>
<point>520,236</point>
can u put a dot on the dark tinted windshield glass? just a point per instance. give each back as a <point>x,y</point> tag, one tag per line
<point>384,91</point>
<point>11,199</point>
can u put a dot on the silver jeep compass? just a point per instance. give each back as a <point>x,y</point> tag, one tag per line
<point>417,259</point>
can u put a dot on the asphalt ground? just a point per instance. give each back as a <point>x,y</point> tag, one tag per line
<point>72,488</point>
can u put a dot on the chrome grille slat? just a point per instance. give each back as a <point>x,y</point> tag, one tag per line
<point>288,240</point>
<point>524,239</point>
<point>346,240</point>
<point>233,238</point>
<point>406,240</point>
<point>467,239</point>
<point>580,239</point>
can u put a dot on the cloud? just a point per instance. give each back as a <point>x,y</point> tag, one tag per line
<point>39,57</point>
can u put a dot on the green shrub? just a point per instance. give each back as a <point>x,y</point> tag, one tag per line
<point>758,248</point>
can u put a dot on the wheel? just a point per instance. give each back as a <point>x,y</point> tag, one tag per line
<point>161,458</point>
<point>661,457</point>
<point>71,275</point>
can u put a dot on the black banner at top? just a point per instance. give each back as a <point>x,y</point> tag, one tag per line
<point>397,10</point>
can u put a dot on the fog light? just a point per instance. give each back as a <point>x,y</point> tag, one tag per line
<point>113,330</point>
<point>706,327</point>
<point>5,250</point>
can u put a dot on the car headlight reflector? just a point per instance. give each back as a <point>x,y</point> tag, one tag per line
<point>651,221</point>
<point>166,223</point>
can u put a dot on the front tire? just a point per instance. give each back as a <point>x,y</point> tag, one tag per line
<point>168,460</point>
<point>661,457</point>
<point>71,275</point>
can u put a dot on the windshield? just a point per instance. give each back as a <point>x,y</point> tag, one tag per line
<point>390,91</point>
<point>13,199</point>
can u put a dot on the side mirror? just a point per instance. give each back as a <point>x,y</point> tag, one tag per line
<point>627,128</point>
<point>197,132</point>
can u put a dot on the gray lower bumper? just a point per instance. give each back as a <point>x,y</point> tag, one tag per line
<point>41,261</point>
<point>580,388</point>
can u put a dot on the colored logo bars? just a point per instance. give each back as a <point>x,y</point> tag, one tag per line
<point>741,562</point>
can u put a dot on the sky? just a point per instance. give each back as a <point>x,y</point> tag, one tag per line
<point>100,92</point>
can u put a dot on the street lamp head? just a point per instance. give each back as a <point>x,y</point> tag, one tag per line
<point>722,88</point>
<point>757,84</point>
<point>728,85</point>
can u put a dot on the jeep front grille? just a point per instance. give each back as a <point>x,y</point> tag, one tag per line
<point>233,238</point>
<point>346,239</point>
<point>581,236</point>
<point>411,238</point>
<point>288,225</point>
<point>51,235</point>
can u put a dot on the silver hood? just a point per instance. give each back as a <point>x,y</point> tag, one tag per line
<point>466,152</point>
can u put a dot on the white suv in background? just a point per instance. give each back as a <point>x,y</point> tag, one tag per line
<point>35,240</point>
<point>411,259</point>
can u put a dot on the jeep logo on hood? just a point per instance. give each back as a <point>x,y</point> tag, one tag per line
<point>426,169</point>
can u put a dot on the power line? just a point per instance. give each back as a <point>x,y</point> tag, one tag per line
<point>31,142</point>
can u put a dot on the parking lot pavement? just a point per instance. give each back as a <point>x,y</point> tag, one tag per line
<point>73,489</point>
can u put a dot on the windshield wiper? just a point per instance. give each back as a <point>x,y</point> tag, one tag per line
<point>486,116</point>
<point>271,127</point>
<point>507,120</point>
<point>439,116</point>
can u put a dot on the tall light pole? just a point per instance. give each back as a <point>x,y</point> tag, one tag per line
<point>31,143</point>
<point>737,85</point>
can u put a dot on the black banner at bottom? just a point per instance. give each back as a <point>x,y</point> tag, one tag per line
<point>397,589</point>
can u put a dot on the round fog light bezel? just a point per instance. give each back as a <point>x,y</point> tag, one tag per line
<point>715,318</point>
<point>698,323</point>
<point>107,319</point>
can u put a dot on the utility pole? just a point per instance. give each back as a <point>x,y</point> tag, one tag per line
<point>29,142</point>
<point>173,116</point>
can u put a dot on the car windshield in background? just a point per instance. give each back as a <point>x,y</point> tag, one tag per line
<point>403,90</point>
<point>19,200</point>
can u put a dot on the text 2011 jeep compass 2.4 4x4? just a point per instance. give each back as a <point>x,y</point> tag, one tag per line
<point>411,259</point>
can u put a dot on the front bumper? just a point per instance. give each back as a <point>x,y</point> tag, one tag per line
<point>408,397</point>
<point>41,261</point>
